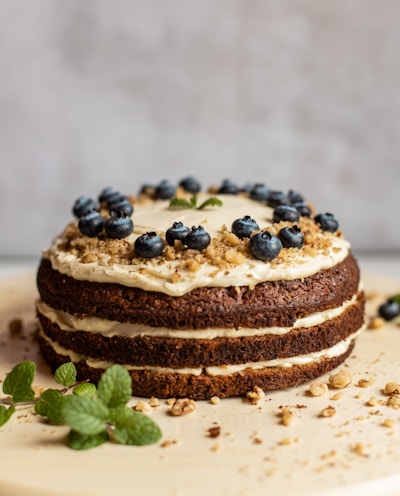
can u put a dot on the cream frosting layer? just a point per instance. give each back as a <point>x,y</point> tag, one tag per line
<point>108,328</point>
<point>156,275</point>
<point>336,350</point>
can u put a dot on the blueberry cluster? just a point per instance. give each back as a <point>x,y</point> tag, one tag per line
<point>390,309</point>
<point>92,222</point>
<point>165,190</point>
<point>196,238</point>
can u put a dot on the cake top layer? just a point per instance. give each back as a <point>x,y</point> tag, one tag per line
<point>220,258</point>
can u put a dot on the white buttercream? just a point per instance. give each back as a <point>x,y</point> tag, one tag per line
<point>158,276</point>
<point>108,328</point>
<point>310,358</point>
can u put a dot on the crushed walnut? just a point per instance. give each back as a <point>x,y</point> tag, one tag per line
<point>182,406</point>
<point>340,380</point>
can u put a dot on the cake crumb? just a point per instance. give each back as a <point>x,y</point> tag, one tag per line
<point>317,389</point>
<point>168,442</point>
<point>15,326</point>
<point>329,411</point>
<point>214,431</point>
<point>340,380</point>
<point>182,406</point>
<point>255,395</point>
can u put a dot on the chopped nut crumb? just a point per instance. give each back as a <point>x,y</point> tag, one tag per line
<point>255,395</point>
<point>142,406</point>
<point>329,411</point>
<point>318,389</point>
<point>393,401</point>
<point>215,400</point>
<point>392,388</point>
<point>287,441</point>
<point>287,416</point>
<point>340,380</point>
<point>376,323</point>
<point>168,442</point>
<point>359,449</point>
<point>365,383</point>
<point>337,396</point>
<point>373,401</point>
<point>389,423</point>
<point>154,402</point>
<point>182,406</point>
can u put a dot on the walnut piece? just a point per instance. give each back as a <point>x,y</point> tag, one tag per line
<point>182,406</point>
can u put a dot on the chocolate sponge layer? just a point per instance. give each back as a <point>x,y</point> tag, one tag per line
<point>273,303</point>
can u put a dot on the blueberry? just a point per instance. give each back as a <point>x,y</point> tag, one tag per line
<point>165,190</point>
<point>303,209</point>
<point>190,184</point>
<point>177,231</point>
<point>83,205</point>
<point>291,237</point>
<point>285,212</point>
<point>119,225</point>
<point>327,222</point>
<point>295,197</point>
<point>259,192</point>
<point>105,194</point>
<point>149,245</point>
<point>265,246</point>
<point>389,310</point>
<point>91,224</point>
<point>124,206</point>
<point>197,238</point>
<point>115,197</point>
<point>276,198</point>
<point>244,227</point>
<point>228,187</point>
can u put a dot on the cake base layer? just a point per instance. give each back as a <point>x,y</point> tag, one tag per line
<point>203,387</point>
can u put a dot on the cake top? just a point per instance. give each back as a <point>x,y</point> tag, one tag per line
<point>174,239</point>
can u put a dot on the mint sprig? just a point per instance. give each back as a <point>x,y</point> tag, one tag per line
<point>182,203</point>
<point>94,415</point>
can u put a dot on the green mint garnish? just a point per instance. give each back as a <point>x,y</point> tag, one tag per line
<point>18,383</point>
<point>181,203</point>
<point>94,415</point>
<point>395,297</point>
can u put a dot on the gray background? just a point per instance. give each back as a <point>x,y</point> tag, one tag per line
<point>301,94</point>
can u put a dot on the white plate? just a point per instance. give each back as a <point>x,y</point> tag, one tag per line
<point>254,453</point>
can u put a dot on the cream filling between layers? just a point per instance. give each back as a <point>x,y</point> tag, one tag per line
<point>156,275</point>
<point>109,328</point>
<point>336,350</point>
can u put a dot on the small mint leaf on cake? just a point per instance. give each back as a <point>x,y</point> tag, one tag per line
<point>210,202</point>
<point>18,382</point>
<point>182,203</point>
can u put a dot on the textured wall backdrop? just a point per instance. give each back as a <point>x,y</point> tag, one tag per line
<point>301,94</point>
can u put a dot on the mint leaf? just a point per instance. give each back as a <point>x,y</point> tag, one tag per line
<point>5,414</point>
<point>50,405</point>
<point>18,382</point>
<point>395,297</point>
<point>210,202</point>
<point>133,428</point>
<point>84,415</point>
<point>115,387</point>
<point>180,203</point>
<point>78,441</point>
<point>66,374</point>
<point>85,389</point>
